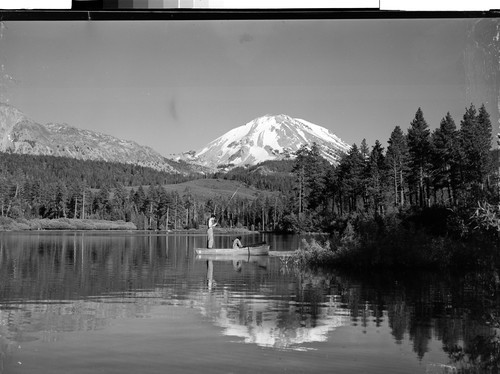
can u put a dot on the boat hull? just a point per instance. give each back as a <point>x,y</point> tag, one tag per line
<point>261,261</point>
<point>262,250</point>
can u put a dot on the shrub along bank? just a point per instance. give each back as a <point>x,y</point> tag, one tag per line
<point>428,238</point>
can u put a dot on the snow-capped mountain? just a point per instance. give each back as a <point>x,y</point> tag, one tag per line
<point>267,138</point>
<point>20,134</point>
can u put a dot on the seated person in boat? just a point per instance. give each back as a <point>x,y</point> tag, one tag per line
<point>237,243</point>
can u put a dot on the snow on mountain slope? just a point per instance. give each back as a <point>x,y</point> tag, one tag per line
<point>268,138</point>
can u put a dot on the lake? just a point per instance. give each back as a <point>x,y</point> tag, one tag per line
<point>136,302</point>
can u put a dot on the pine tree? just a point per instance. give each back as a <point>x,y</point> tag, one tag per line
<point>35,198</point>
<point>299,170</point>
<point>397,161</point>
<point>139,200</point>
<point>61,199</point>
<point>101,205</point>
<point>350,176</point>
<point>475,142</point>
<point>331,188</point>
<point>484,140</point>
<point>468,153</point>
<point>315,178</point>
<point>419,147</point>
<point>377,176</point>
<point>190,207</point>
<point>445,157</point>
<point>4,193</point>
<point>17,202</point>
<point>177,209</point>
<point>364,150</point>
<point>119,203</point>
<point>152,198</point>
<point>163,208</point>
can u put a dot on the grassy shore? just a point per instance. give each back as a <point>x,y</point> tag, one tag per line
<point>21,224</point>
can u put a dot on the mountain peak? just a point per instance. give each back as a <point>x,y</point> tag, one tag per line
<point>269,137</point>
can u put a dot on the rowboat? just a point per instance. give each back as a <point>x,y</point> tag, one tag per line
<point>261,250</point>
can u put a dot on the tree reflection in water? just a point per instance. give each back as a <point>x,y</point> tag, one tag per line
<point>463,311</point>
<point>75,282</point>
<point>479,351</point>
<point>455,309</point>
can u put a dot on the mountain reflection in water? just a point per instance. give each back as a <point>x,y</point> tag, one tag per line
<point>56,285</point>
<point>268,322</point>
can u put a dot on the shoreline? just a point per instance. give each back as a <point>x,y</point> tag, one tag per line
<point>71,224</point>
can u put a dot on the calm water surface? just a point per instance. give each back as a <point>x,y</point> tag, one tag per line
<point>92,302</point>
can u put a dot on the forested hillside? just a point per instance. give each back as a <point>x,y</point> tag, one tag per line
<point>94,174</point>
<point>268,175</point>
<point>55,187</point>
<point>58,187</point>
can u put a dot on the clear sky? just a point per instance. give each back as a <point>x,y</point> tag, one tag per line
<point>177,85</point>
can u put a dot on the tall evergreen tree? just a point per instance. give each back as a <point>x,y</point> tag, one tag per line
<point>331,187</point>
<point>364,150</point>
<point>397,160</point>
<point>316,183</point>
<point>119,203</point>
<point>36,201</point>
<point>4,193</point>
<point>377,176</point>
<point>61,200</point>
<point>350,176</point>
<point>484,140</point>
<point>310,171</point>
<point>299,170</point>
<point>163,208</point>
<point>475,141</point>
<point>445,157</point>
<point>468,151</point>
<point>139,200</point>
<point>419,147</point>
<point>101,205</point>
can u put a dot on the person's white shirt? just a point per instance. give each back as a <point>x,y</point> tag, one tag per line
<point>211,222</point>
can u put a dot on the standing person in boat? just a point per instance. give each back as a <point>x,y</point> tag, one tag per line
<point>210,231</point>
<point>237,243</point>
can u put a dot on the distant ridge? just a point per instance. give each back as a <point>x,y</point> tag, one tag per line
<point>22,135</point>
